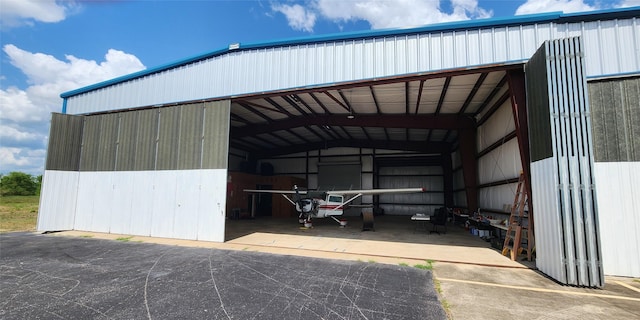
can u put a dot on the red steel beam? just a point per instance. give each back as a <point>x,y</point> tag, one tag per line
<point>516,80</point>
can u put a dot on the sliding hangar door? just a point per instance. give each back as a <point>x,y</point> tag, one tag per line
<point>408,110</point>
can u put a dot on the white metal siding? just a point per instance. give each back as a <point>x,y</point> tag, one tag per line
<point>618,203</point>
<point>500,164</point>
<point>182,204</point>
<point>571,170</point>
<point>57,200</point>
<point>498,197</point>
<point>548,226</point>
<point>613,48</point>
<point>496,127</point>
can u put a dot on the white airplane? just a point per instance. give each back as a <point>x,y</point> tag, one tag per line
<point>333,203</point>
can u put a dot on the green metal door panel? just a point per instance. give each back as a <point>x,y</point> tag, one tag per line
<point>127,141</point>
<point>108,139</point>
<point>215,144</point>
<point>65,141</point>
<point>147,133</point>
<point>190,144</point>
<point>168,138</point>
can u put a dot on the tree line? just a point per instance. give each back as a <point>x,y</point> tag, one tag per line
<point>20,184</point>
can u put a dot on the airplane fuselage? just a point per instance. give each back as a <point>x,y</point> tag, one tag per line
<point>321,208</point>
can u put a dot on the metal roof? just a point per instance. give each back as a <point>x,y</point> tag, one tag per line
<point>557,17</point>
<point>419,113</point>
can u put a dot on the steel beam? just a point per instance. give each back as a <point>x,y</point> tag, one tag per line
<point>517,88</point>
<point>467,139</point>
<point>448,122</point>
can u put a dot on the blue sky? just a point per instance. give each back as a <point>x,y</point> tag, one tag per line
<point>49,47</point>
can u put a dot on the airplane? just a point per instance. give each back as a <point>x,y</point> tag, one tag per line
<point>333,203</point>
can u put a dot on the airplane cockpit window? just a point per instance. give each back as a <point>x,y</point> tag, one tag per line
<point>335,198</point>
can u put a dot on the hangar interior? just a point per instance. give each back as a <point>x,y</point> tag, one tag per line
<point>425,131</point>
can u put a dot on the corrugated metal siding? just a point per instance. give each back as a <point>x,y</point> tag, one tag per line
<point>429,177</point>
<point>571,164</point>
<point>90,144</point>
<point>182,204</point>
<point>615,110</point>
<point>538,93</point>
<point>497,197</point>
<point>127,141</point>
<point>496,127</point>
<point>147,134</point>
<point>168,138</point>
<point>108,142</point>
<point>100,143</point>
<point>95,200</point>
<point>503,163</point>
<point>142,206</point>
<point>119,188</point>
<point>549,236</point>
<point>191,136</point>
<point>612,48</point>
<point>212,199</point>
<point>57,208</point>
<point>121,203</point>
<point>618,204</point>
<point>65,140</point>
<point>500,164</point>
<point>184,137</point>
<point>215,143</point>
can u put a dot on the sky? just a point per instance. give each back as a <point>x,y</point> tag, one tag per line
<point>49,47</point>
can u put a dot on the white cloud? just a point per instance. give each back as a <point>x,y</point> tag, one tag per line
<point>539,6</point>
<point>25,113</point>
<point>629,3</point>
<point>299,18</point>
<point>382,14</point>
<point>24,12</point>
<point>13,157</point>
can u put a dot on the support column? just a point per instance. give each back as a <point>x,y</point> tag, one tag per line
<point>447,172</point>
<point>468,147</point>
<point>517,87</point>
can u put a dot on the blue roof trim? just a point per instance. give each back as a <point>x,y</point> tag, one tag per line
<point>440,27</point>
<point>631,74</point>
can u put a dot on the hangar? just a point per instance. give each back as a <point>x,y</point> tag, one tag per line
<point>459,108</point>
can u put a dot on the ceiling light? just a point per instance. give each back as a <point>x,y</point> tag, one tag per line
<point>351,116</point>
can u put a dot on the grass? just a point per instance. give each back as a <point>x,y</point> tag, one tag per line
<point>18,213</point>
<point>124,239</point>
<point>428,266</point>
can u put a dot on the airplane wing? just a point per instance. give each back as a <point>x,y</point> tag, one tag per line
<point>275,191</point>
<point>376,191</point>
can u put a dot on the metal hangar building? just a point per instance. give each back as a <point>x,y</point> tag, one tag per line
<point>459,108</point>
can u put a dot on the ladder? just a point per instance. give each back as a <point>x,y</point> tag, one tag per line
<point>519,235</point>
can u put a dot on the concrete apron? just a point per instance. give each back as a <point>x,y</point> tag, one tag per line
<point>373,250</point>
<point>395,241</point>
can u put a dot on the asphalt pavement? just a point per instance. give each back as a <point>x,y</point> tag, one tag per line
<point>50,277</point>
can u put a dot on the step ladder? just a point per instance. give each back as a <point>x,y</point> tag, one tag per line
<point>519,235</point>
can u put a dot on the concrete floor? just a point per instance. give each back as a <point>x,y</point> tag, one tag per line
<point>475,281</point>
<point>395,237</point>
